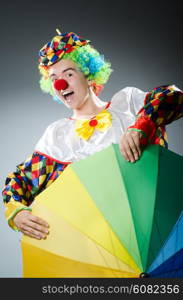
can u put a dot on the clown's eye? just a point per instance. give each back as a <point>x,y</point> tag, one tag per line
<point>69,74</point>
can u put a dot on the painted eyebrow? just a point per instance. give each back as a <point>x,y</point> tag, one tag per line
<point>63,71</point>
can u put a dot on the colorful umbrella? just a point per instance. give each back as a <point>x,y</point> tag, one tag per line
<point>111,218</point>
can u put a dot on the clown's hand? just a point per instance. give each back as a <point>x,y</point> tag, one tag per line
<point>130,144</point>
<point>31,225</point>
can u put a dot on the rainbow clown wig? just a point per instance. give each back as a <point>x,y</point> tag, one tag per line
<point>71,46</point>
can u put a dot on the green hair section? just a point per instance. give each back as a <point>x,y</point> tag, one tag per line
<point>46,85</point>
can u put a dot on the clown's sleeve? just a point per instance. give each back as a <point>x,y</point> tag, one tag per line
<point>30,178</point>
<point>162,106</point>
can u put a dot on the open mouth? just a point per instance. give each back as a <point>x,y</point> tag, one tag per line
<point>68,95</point>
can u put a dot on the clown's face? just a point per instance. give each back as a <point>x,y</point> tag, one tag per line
<point>78,86</point>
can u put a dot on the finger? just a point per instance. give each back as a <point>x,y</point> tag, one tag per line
<point>136,139</point>
<point>27,233</point>
<point>126,151</point>
<point>38,220</point>
<point>37,227</point>
<point>31,231</point>
<point>123,151</point>
<point>133,147</point>
<point>125,147</point>
<point>127,144</point>
<point>129,154</point>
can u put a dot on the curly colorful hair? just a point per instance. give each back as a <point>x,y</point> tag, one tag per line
<point>91,64</point>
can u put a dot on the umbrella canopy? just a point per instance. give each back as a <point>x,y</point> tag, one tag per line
<point>110,218</point>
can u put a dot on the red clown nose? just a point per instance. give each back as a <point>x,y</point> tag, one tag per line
<point>60,84</point>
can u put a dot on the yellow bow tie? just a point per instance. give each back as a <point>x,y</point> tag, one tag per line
<point>85,128</point>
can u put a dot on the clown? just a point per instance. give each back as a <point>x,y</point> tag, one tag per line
<point>74,73</point>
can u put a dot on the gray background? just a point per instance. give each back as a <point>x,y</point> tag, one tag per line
<point>142,42</point>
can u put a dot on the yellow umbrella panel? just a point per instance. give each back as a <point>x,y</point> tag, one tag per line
<point>68,253</point>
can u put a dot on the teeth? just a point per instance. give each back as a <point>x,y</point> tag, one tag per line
<point>66,92</point>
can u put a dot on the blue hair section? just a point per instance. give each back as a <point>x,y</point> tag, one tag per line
<point>90,64</point>
<point>95,64</point>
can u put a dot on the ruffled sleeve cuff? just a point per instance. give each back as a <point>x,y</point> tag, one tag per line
<point>11,209</point>
<point>147,127</point>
